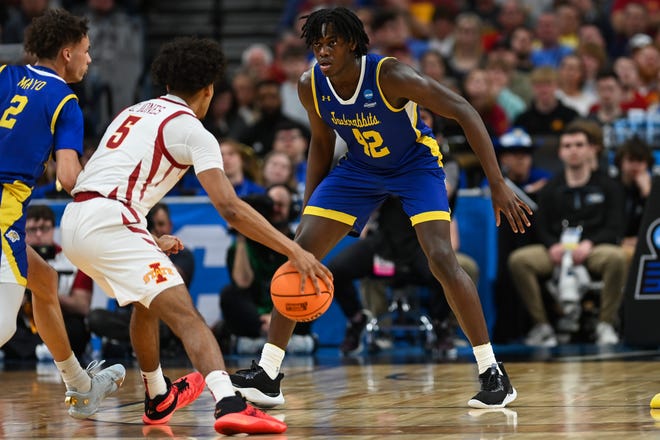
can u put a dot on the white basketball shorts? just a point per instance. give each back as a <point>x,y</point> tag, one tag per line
<point>110,242</point>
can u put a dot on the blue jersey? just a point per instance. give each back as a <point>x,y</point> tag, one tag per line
<point>379,136</point>
<point>39,114</point>
<point>390,151</point>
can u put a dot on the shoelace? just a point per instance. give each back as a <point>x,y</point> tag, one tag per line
<point>182,384</point>
<point>492,383</point>
<point>254,368</point>
<point>94,367</point>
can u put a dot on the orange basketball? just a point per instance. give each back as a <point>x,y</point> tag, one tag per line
<point>287,299</point>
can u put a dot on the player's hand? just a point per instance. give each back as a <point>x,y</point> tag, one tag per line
<point>515,210</point>
<point>169,244</point>
<point>309,266</point>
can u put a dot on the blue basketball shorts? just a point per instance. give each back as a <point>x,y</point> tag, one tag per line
<point>350,193</point>
<point>14,197</point>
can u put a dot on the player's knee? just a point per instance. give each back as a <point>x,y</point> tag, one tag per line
<point>11,304</point>
<point>186,321</point>
<point>442,261</point>
<point>45,287</point>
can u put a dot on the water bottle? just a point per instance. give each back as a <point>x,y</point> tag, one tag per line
<point>569,291</point>
<point>569,295</point>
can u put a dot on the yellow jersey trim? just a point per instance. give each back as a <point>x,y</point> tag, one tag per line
<point>428,216</point>
<point>382,95</point>
<point>432,145</point>
<point>2,67</point>
<point>59,109</point>
<point>316,100</point>
<point>341,217</point>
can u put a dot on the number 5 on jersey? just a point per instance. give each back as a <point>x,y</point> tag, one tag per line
<point>120,134</point>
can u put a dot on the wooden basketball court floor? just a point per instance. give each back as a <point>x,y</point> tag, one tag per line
<point>593,396</point>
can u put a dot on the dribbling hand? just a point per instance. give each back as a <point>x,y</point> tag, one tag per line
<point>169,244</point>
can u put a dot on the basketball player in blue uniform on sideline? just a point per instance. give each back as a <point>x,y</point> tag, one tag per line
<point>40,116</point>
<point>371,102</point>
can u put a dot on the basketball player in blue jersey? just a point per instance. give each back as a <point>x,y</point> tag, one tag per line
<point>371,102</point>
<point>40,117</point>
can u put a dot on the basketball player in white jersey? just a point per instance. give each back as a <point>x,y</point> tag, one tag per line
<point>144,152</point>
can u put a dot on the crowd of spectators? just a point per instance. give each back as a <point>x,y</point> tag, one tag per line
<point>531,68</point>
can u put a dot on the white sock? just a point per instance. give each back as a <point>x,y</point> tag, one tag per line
<point>219,384</point>
<point>271,360</point>
<point>154,382</point>
<point>74,377</point>
<point>485,357</point>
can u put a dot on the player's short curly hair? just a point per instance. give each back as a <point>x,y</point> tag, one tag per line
<point>345,23</point>
<point>49,33</point>
<point>188,64</point>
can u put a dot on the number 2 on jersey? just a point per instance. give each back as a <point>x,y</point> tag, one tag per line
<point>372,142</point>
<point>7,121</point>
<point>120,134</point>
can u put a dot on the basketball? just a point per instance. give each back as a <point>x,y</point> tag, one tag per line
<point>287,299</point>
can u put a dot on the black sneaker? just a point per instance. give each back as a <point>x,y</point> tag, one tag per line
<point>257,387</point>
<point>352,343</point>
<point>496,390</point>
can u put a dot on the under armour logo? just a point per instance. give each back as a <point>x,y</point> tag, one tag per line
<point>325,98</point>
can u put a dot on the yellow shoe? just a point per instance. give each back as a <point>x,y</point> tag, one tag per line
<point>655,402</point>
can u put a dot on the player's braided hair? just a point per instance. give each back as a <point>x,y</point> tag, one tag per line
<point>49,33</point>
<point>345,24</point>
<point>188,64</point>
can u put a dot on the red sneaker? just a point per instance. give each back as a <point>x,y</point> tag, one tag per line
<point>234,416</point>
<point>182,392</point>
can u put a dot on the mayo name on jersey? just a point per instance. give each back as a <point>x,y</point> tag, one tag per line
<point>132,163</point>
<point>38,113</point>
<point>378,135</point>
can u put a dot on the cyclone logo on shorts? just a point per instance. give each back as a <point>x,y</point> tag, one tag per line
<point>648,274</point>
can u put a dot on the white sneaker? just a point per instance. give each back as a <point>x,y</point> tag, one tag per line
<point>301,344</point>
<point>104,382</point>
<point>246,345</point>
<point>605,334</point>
<point>42,353</point>
<point>541,335</point>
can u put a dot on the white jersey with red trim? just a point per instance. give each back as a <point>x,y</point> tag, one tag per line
<point>145,150</point>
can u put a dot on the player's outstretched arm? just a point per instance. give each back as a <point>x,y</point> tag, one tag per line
<point>253,225</point>
<point>401,83</point>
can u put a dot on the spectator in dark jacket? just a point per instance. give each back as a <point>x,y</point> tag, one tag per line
<point>579,198</point>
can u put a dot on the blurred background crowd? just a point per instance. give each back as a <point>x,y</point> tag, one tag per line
<point>542,74</point>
